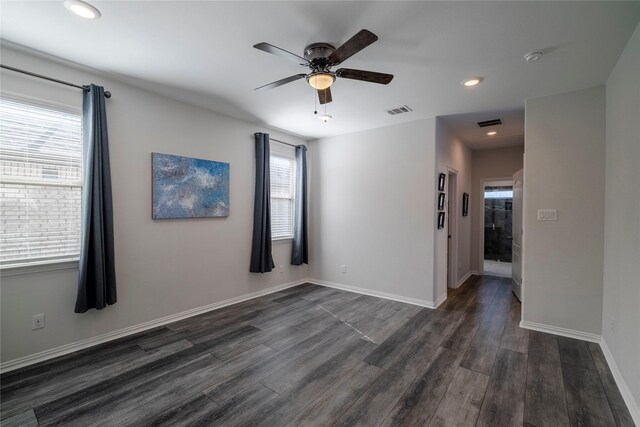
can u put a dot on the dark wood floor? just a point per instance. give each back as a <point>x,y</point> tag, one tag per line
<point>311,355</point>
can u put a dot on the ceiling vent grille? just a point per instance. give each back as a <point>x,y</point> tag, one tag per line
<point>493,122</point>
<point>399,110</point>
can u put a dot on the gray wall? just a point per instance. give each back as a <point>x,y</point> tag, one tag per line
<point>163,267</point>
<point>621,313</point>
<point>564,170</point>
<point>452,152</point>
<point>372,200</point>
<point>487,164</point>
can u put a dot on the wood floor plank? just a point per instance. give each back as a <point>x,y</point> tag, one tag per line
<point>545,403</point>
<point>491,327</point>
<point>420,401</point>
<point>281,409</point>
<point>238,408</point>
<point>255,373</point>
<point>503,403</point>
<point>90,359</point>
<point>514,337</point>
<point>575,353</point>
<point>618,407</point>
<point>330,405</point>
<point>587,403</point>
<point>75,380</point>
<point>129,406</point>
<point>118,388</point>
<point>23,419</point>
<point>375,403</point>
<point>393,346</point>
<point>388,327</point>
<point>480,358</point>
<point>460,337</point>
<point>461,404</point>
<point>184,414</point>
<point>443,321</point>
<point>287,376</point>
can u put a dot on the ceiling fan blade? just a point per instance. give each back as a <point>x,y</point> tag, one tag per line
<point>325,95</point>
<point>365,76</point>
<point>281,82</point>
<point>352,46</point>
<point>275,50</point>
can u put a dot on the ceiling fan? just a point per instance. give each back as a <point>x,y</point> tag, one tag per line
<point>320,58</point>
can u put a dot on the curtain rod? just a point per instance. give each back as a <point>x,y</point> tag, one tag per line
<point>107,94</point>
<point>282,142</point>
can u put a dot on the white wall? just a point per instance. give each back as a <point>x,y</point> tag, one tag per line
<point>487,164</point>
<point>372,204</point>
<point>451,152</point>
<point>621,314</point>
<point>564,170</point>
<point>163,267</point>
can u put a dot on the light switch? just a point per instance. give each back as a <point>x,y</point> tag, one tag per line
<point>547,214</point>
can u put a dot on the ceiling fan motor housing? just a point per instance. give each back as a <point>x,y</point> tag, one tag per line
<point>317,54</point>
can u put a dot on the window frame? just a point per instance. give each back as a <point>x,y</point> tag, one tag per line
<point>24,266</point>
<point>288,153</point>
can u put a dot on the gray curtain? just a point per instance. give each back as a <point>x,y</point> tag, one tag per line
<point>299,250</point>
<point>97,276</point>
<point>261,258</point>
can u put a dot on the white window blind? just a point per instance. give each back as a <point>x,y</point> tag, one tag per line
<point>40,182</point>
<point>282,196</point>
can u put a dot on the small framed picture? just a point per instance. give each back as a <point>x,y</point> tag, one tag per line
<point>465,204</point>
<point>440,220</point>
<point>441,201</point>
<point>441,182</point>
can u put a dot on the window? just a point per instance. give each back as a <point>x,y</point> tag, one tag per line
<point>40,182</point>
<point>283,168</point>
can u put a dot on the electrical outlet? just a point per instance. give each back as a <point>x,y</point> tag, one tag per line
<point>343,268</point>
<point>281,268</point>
<point>612,323</point>
<point>37,322</point>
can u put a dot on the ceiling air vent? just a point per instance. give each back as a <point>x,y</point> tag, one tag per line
<point>399,110</point>
<point>493,122</point>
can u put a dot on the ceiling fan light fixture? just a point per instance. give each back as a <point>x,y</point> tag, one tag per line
<point>325,117</point>
<point>320,81</point>
<point>82,9</point>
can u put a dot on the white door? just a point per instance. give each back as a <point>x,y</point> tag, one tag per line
<point>516,247</point>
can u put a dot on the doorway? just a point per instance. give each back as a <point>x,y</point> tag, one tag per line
<point>498,226</point>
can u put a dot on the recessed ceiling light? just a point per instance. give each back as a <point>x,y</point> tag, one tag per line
<point>473,81</point>
<point>82,9</point>
<point>491,132</point>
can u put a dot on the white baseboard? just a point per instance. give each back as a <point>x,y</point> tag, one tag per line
<point>109,336</point>
<point>632,405</point>
<point>439,301</point>
<point>379,294</point>
<point>464,279</point>
<point>569,333</point>
<point>476,273</point>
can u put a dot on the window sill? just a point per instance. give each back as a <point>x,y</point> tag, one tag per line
<point>38,267</point>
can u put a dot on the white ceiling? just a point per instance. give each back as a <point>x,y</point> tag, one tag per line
<point>202,52</point>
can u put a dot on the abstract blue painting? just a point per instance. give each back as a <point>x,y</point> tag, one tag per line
<point>184,187</point>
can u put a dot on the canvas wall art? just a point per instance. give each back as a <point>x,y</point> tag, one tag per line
<point>184,187</point>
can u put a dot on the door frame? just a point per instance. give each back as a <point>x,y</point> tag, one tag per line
<point>452,206</point>
<point>506,181</point>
